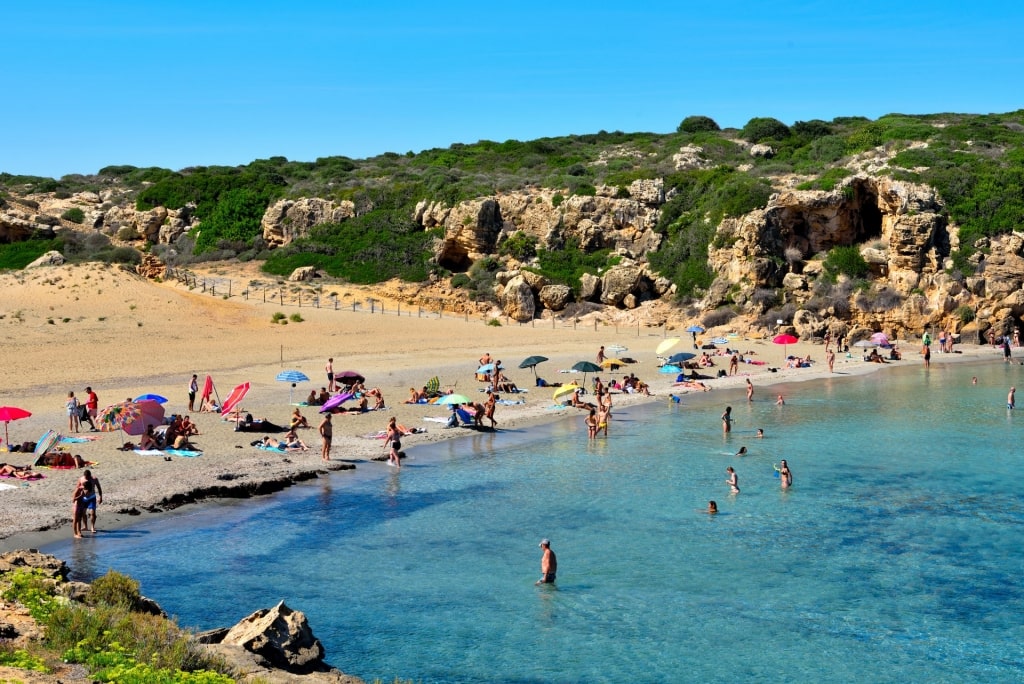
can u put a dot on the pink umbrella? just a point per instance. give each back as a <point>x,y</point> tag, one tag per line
<point>234,398</point>
<point>880,339</point>
<point>784,340</point>
<point>9,413</point>
<point>150,413</point>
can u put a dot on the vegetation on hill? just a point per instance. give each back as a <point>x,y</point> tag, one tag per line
<point>975,161</point>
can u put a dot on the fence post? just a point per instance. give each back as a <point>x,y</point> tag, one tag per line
<point>264,295</point>
<point>299,297</point>
<point>229,288</point>
<point>213,290</point>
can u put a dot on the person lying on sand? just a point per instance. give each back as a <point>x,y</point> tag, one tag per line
<point>296,445</point>
<point>692,384</point>
<point>20,472</point>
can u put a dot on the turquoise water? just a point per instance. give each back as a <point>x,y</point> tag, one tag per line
<point>896,557</point>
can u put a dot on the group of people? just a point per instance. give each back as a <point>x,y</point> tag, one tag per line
<point>86,411</point>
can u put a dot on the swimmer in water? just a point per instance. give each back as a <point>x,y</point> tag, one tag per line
<point>733,481</point>
<point>712,508</point>
<point>742,451</point>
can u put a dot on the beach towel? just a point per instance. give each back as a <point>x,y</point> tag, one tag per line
<point>79,440</point>
<point>509,402</point>
<point>4,486</point>
<point>436,419</point>
<point>186,453</point>
<point>267,447</point>
<point>557,407</point>
<point>148,452</point>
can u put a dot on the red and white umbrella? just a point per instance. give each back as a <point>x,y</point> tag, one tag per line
<point>234,398</point>
<point>9,413</point>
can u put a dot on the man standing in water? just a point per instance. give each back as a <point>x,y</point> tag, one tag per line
<point>548,564</point>
<point>1011,401</point>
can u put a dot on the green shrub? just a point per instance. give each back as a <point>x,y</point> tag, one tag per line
<point>557,200</point>
<point>567,265</point>
<point>20,658</point>
<point>114,589</point>
<point>846,261</point>
<point>277,317</point>
<point>296,318</point>
<point>74,215</point>
<point>460,280</point>
<point>698,124</point>
<point>18,255</point>
<point>759,129</point>
<point>520,246</point>
<point>964,313</point>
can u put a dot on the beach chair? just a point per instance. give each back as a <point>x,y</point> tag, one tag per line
<point>433,387</point>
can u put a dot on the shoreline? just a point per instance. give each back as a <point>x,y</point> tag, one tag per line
<point>394,353</point>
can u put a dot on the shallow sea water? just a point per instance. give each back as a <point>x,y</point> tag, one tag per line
<point>896,557</point>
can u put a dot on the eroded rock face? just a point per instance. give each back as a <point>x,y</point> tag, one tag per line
<point>287,220</point>
<point>281,636</point>
<point>302,274</point>
<point>618,282</point>
<point>51,258</point>
<point>555,297</point>
<point>517,300</point>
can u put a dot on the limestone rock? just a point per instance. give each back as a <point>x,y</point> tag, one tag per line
<point>151,267</point>
<point>590,287</point>
<point>759,150</point>
<point>535,280</point>
<point>618,282</point>
<point>808,324</point>
<point>51,258</point>
<point>471,232</point>
<point>302,274</point>
<point>648,191</point>
<point>281,636</point>
<point>555,297</point>
<point>690,157</point>
<point>31,559</point>
<point>287,220</point>
<point>517,300</point>
<point>794,281</point>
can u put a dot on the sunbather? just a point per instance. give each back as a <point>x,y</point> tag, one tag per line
<point>20,472</point>
<point>298,420</point>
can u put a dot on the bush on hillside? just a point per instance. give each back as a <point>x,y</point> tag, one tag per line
<point>698,124</point>
<point>760,129</point>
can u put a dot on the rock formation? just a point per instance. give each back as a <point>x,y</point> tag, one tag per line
<point>287,220</point>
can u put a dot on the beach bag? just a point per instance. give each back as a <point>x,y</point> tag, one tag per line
<point>722,373</point>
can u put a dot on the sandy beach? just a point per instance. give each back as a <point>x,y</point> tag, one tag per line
<point>69,327</point>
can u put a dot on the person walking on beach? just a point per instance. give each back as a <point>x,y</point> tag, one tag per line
<point>1016,337</point>
<point>750,390</point>
<point>600,355</point>
<point>193,389</point>
<point>73,412</point>
<point>733,481</point>
<point>548,564</point>
<point>830,358</point>
<point>92,406</point>
<point>734,364</point>
<point>489,406</point>
<point>92,494</point>
<point>1011,402</point>
<point>727,420</point>
<point>326,431</point>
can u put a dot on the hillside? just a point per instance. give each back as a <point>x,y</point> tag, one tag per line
<point>897,223</point>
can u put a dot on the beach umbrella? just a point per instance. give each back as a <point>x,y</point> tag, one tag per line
<point>485,369</point>
<point>9,413</point>
<point>695,329</point>
<point>292,376</point>
<point>881,339</point>
<point>234,398</point>
<point>785,341</point>
<point>452,399</point>
<point>666,345</point>
<point>349,377</point>
<point>617,348</point>
<point>151,397</point>
<point>531,362</point>
<point>680,357</point>
<point>336,401</point>
<point>117,416</point>
<point>612,363</point>
<point>586,367</point>
<point>564,390</point>
<point>44,444</point>
<point>150,413</point>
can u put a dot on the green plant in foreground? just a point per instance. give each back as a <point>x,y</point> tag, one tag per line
<point>277,317</point>
<point>22,659</point>
<point>33,590</point>
<point>74,215</point>
<point>296,318</point>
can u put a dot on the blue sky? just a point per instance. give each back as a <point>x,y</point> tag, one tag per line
<point>187,83</point>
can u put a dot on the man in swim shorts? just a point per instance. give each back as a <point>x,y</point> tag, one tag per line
<point>1010,398</point>
<point>548,564</point>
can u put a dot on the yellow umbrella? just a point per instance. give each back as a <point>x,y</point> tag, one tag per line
<point>564,390</point>
<point>666,345</point>
<point>612,363</point>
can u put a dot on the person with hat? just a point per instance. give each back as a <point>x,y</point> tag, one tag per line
<point>548,564</point>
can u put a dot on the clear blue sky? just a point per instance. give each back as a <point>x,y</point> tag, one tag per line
<point>188,83</point>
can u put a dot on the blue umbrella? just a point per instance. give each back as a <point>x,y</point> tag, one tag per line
<point>292,376</point>
<point>680,357</point>
<point>151,397</point>
<point>695,328</point>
